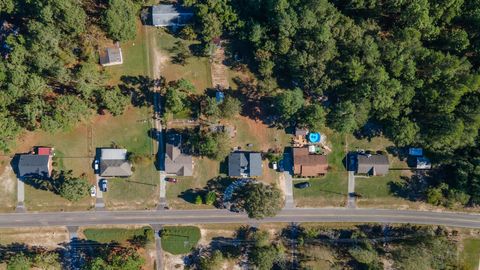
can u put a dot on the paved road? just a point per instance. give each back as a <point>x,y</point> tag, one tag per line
<point>223,216</point>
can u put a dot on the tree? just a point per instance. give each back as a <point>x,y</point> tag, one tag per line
<point>74,189</point>
<point>19,262</point>
<point>210,198</point>
<point>114,100</point>
<point>120,19</point>
<point>260,201</point>
<point>188,33</point>
<point>210,107</point>
<point>198,199</point>
<point>230,107</point>
<point>342,117</point>
<point>175,100</point>
<point>211,261</point>
<point>313,117</point>
<point>265,257</point>
<point>367,257</point>
<point>182,53</point>
<point>288,103</point>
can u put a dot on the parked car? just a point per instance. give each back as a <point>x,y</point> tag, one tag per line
<point>171,180</point>
<point>274,165</point>
<point>96,165</point>
<point>93,191</point>
<point>104,185</point>
<point>303,185</point>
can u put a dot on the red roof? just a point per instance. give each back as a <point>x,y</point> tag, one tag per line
<point>44,151</point>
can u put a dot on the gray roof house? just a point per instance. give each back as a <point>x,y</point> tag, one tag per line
<point>372,164</point>
<point>176,162</point>
<point>170,15</point>
<point>111,57</point>
<point>114,163</point>
<point>31,165</point>
<point>244,164</point>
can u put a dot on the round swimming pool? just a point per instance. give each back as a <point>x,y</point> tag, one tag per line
<point>314,137</point>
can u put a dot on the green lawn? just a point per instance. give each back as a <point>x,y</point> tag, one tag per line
<point>180,239</point>
<point>471,253</point>
<point>179,196</point>
<point>135,58</point>
<point>330,190</point>
<point>117,234</point>
<point>197,70</point>
<point>42,200</point>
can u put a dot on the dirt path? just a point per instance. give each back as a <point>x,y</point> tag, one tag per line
<point>219,70</point>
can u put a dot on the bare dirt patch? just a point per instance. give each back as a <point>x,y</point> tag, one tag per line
<point>50,237</point>
<point>219,70</point>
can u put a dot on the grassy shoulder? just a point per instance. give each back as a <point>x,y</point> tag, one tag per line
<point>180,239</point>
<point>120,235</point>
<point>471,253</point>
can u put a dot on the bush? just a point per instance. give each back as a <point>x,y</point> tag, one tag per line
<point>210,198</point>
<point>198,199</point>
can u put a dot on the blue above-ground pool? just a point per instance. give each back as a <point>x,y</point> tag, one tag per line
<point>314,137</point>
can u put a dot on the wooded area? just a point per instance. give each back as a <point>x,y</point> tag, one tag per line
<point>49,73</point>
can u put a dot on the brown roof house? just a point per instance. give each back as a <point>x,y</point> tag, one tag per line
<point>372,164</point>
<point>307,164</point>
<point>176,162</point>
<point>114,163</point>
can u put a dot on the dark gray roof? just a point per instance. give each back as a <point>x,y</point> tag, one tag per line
<point>167,15</point>
<point>372,164</point>
<point>244,164</point>
<point>115,168</point>
<point>113,162</point>
<point>176,162</point>
<point>33,166</point>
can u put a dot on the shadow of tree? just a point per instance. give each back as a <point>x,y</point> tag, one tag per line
<point>140,88</point>
<point>217,185</point>
<point>413,188</point>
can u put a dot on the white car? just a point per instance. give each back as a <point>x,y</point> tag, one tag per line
<point>93,191</point>
<point>96,165</point>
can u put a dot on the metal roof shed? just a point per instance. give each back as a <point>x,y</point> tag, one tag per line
<point>170,15</point>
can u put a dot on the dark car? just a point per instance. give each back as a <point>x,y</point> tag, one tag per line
<point>171,180</point>
<point>303,185</point>
<point>104,185</point>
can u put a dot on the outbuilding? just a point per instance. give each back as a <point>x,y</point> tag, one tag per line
<point>170,15</point>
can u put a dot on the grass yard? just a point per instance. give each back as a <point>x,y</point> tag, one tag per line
<point>49,237</point>
<point>182,194</point>
<point>119,235</point>
<point>196,70</point>
<point>135,58</point>
<point>330,190</point>
<point>471,253</point>
<point>8,186</point>
<point>130,131</point>
<point>180,239</point>
<point>260,135</point>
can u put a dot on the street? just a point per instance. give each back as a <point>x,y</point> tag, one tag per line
<point>224,216</point>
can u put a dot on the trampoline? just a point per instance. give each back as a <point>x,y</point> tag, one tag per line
<point>314,137</point>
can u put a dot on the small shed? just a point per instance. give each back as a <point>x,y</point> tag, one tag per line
<point>415,152</point>
<point>170,15</point>
<point>219,96</point>
<point>111,57</point>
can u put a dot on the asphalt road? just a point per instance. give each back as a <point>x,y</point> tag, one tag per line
<point>223,216</point>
